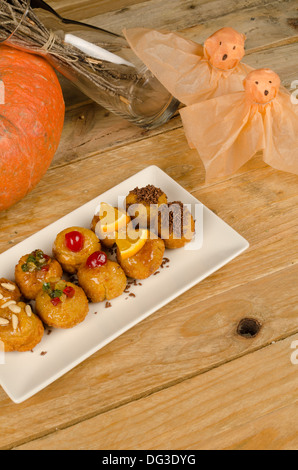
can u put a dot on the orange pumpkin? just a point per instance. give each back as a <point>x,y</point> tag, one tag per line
<point>31,122</point>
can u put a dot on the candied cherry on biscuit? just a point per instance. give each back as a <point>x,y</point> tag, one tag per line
<point>74,241</point>
<point>97,259</point>
<point>73,246</point>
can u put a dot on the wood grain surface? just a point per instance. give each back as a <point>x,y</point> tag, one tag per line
<point>221,409</point>
<point>183,378</point>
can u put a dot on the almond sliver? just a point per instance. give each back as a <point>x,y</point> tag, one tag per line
<point>15,321</point>
<point>9,287</point>
<point>15,309</point>
<point>28,310</point>
<point>7,304</point>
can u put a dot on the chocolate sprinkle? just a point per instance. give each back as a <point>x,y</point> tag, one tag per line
<point>43,353</point>
<point>164,262</point>
<point>148,195</point>
<point>176,216</point>
<point>108,305</point>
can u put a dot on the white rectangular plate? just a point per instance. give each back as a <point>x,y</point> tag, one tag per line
<point>25,374</point>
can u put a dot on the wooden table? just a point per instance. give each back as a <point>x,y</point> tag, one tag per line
<point>183,378</point>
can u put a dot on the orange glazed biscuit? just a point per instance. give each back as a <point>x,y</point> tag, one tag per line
<point>20,329</point>
<point>62,305</point>
<point>109,241</point>
<point>107,223</point>
<point>146,262</point>
<point>33,270</point>
<point>102,283</point>
<point>176,225</point>
<point>9,291</point>
<point>143,203</point>
<point>73,246</point>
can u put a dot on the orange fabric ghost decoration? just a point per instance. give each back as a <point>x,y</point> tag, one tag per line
<point>229,130</point>
<point>191,72</point>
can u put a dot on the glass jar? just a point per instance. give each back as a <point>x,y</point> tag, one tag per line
<point>100,63</point>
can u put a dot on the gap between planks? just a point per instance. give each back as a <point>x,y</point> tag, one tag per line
<point>145,395</point>
<point>274,45</point>
<point>119,146</point>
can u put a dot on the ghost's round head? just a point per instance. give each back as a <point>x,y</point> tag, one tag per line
<point>262,85</point>
<point>225,48</point>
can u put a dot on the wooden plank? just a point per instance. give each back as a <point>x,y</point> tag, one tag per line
<point>247,404</point>
<point>83,10</point>
<point>278,60</point>
<point>275,431</point>
<point>78,9</point>
<point>265,26</point>
<point>90,128</point>
<point>259,202</point>
<point>184,339</point>
<point>263,22</point>
<point>63,186</point>
<point>176,15</point>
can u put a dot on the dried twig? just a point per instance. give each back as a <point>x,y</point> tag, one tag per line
<point>32,35</point>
